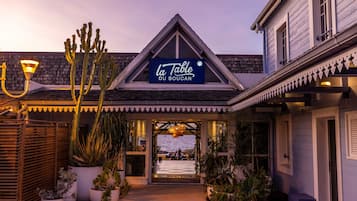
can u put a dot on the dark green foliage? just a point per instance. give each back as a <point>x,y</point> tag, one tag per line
<point>108,180</point>
<point>124,188</point>
<point>115,126</point>
<point>256,186</point>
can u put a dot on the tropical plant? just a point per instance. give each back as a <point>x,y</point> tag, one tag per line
<point>66,180</point>
<point>91,54</point>
<point>255,187</point>
<point>108,180</point>
<point>124,188</point>
<point>115,126</point>
<point>64,183</point>
<point>92,150</point>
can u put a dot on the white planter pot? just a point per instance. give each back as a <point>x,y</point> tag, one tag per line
<point>85,177</point>
<point>71,194</point>
<point>96,195</point>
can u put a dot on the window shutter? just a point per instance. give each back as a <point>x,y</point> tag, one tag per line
<point>353,137</point>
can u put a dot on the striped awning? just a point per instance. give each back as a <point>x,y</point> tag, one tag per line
<point>131,108</point>
<point>324,69</point>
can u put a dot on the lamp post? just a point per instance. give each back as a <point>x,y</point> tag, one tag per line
<point>28,67</point>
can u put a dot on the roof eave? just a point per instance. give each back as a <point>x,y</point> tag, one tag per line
<point>343,40</point>
<point>267,11</point>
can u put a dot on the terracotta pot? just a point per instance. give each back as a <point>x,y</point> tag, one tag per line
<point>96,195</point>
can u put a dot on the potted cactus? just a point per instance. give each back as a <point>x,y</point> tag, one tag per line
<point>106,186</point>
<point>90,57</point>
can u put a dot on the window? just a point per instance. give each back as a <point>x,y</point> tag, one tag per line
<point>282,48</point>
<point>284,144</point>
<point>322,20</point>
<point>252,144</point>
<point>217,136</point>
<point>351,138</point>
<point>137,136</point>
<point>281,33</point>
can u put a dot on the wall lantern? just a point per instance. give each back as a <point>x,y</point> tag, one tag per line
<point>28,67</point>
<point>325,83</point>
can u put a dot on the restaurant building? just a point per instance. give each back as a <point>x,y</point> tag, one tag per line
<point>175,81</point>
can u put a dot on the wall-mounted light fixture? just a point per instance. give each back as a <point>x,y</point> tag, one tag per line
<point>325,83</point>
<point>28,67</point>
<point>350,63</point>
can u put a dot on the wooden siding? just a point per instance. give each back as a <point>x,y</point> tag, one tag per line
<point>31,153</point>
<point>302,179</point>
<point>346,14</point>
<point>349,167</point>
<point>298,28</point>
<point>298,36</point>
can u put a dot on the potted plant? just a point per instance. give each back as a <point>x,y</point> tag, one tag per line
<point>106,184</point>
<point>67,180</point>
<point>66,188</point>
<point>224,183</point>
<point>91,154</point>
<point>116,126</point>
<point>52,195</point>
<point>255,187</point>
<point>217,172</point>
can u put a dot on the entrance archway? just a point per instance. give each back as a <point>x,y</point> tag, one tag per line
<point>176,151</point>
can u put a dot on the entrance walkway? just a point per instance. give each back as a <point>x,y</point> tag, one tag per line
<point>167,192</point>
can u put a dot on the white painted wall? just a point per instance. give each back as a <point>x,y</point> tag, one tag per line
<point>346,14</point>
<point>298,12</point>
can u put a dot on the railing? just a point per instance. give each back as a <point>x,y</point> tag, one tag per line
<point>31,152</point>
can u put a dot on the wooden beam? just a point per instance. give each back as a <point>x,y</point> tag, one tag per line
<point>351,72</point>
<point>313,90</point>
<point>289,99</point>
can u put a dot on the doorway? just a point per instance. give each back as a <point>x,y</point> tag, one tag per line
<point>176,151</point>
<point>327,169</point>
<point>327,165</point>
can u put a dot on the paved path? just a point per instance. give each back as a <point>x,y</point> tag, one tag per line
<point>167,192</point>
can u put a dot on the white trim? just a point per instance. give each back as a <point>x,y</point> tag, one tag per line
<point>142,85</point>
<point>164,45</point>
<point>137,73</point>
<point>313,73</point>
<point>189,44</point>
<point>177,50</point>
<point>146,52</point>
<point>289,168</point>
<point>131,108</point>
<point>311,23</point>
<point>348,141</point>
<point>331,112</point>
<point>279,25</point>
<point>333,17</point>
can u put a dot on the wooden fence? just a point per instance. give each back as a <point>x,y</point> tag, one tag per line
<point>31,153</point>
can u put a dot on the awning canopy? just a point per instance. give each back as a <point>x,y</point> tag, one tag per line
<point>318,71</point>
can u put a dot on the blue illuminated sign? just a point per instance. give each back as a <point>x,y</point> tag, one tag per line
<point>178,71</point>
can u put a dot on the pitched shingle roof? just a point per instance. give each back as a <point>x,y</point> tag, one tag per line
<point>54,69</point>
<point>142,97</point>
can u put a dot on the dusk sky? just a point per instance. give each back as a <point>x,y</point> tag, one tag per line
<point>128,26</point>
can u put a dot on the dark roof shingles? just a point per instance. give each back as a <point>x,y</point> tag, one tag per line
<point>54,69</point>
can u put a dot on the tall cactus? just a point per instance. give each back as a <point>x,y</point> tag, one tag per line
<point>91,55</point>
